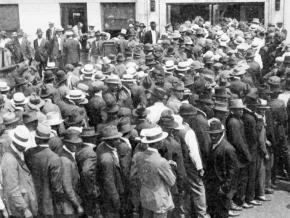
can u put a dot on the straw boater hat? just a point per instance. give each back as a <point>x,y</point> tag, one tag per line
<point>35,101</point>
<point>169,65</point>
<point>182,66</point>
<point>113,79</point>
<point>10,118</point>
<point>4,87</point>
<point>215,126</point>
<point>19,99</point>
<point>154,135</point>
<point>88,69</point>
<point>20,136</point>
<point>75,95</point>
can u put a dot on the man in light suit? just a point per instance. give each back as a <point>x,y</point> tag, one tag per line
<point>41,47</point>
<point>152,35</point>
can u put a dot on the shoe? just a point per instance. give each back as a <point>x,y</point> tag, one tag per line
<point>269,191</point>
<point>247,206</point>
<point>263,198</point>
<point>236,207</point>
<point>255,203</point>
<point>233,213</point>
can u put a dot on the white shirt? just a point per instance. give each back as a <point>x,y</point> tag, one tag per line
<point>154,36</point>
<point>258,59</point>
<point>193,147</point>
<point>155,112</point>
<point>39,41</point>
<point>20,40</point>
<point>284,97</point>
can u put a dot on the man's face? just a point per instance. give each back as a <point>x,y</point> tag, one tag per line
<point>179,94</point>
<point>51,25</point>
<point>215,137</point>
<point>39,35</point>
<point>279,25</point>
<point>238,112</point>
<point>19,147</point>
<point>113,87</point>
<point>153,26</point>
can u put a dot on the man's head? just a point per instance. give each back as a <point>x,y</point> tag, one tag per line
<point>237,107</point>
<point>111,135</point>
<point>153,25</point>
<point>178,90</point>
<point>72,139</point>
<point>80,25</point>
<point>39,33</point>
<point>216,130</point>
<point>20,138</point>
<point>51,25</point>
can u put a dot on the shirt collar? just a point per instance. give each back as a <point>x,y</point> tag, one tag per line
<point>71,153</point>
<point>19,153</point>
<point>219,141</point>
<point>152,149</point>
<point>44,146</point>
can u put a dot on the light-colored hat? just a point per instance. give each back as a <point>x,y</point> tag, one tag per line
<point>99,76</point>
<point>43,131</point>
<point>4,87</point>
<point>256,20</point>
<point>69,33</point>
<point>128,78</point>
<point>20,136</point>
<point>223,40</point>
<point>131,71</point>
<point>239,40</point>
<point>255,44</point>
<point>169,65</point>
<point>113,79</point>
<point>75,95</point>
<point>153,135</point>
<point>237,103</point>
<point>19,99</point>
<point>123,31</point>
<point>50,65</point>
<point>88,69</point>
<point>53,118</point>
<point>131,64</point>
<point>242,46</point>
<point>106,60</point>
<point>215,126</point>
<point>182,66</point>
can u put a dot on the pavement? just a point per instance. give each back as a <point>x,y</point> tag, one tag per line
<point>278,207</point>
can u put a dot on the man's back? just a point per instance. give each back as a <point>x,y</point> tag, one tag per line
<point>45,167</point>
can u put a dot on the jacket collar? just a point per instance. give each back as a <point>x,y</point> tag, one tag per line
<point>18,158</point>
<point>201,112</point>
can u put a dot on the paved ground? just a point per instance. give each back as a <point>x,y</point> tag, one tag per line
<point>279,207</point>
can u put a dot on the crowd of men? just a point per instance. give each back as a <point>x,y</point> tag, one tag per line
<point>192,122</point>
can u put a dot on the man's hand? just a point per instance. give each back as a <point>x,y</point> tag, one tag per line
<point>80,210</point>
<point>28,214</point>
<point>201,172</point>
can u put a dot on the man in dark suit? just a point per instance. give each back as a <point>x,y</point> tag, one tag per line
<point>109,172</point>
<point>50,31</point>
<point>141,33</point>
<point>236,136</point>
<point>41,47</point>
<point>221,171</point>
<point>45,168</point>
<point>71,202</point>
<point>152,35</point>
<point>71,50</point>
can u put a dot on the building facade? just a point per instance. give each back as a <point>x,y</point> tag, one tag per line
<point>112,15</point>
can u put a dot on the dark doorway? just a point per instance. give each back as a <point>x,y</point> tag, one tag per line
<point>116,16</point>
<point>72,13</point>
<point>178,13</point>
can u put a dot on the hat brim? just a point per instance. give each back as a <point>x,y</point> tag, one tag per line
<point>39,105</point>
<point>18,142</point>
<point>238,107</point>
<point>119,135</point>
<point>16,119</point>
<point>22,103</point>
<point>88,73</point>
<point>182,69</point>
<point>54,122</point>
<point>83,96</point>
<point>128,130</point>
<point>144,114</point>
<point>163,136</point>
<point>215,131</point>
<point>223,109</point>
<point>5,89</point>
<point>44,138</point>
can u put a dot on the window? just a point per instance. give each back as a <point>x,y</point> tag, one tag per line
<point>9,16</point>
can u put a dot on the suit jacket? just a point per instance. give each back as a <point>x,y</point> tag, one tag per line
<point>49,34</point>
<point>18,187</point>
<point>110,177</point>
<point>222,168</point>
<point>236,136</point>
<point>71,184</point>
<point>250,124</point>
<point>26,49</point>
<point>86,160</point>
<point>141,36</point>
<point>45,168</point>
<point>156,178</point>
<point>148,37</point>
<point>71,51</point>
<point>41,51</point>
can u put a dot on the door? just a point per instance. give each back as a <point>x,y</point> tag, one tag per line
<point>72,13</point>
